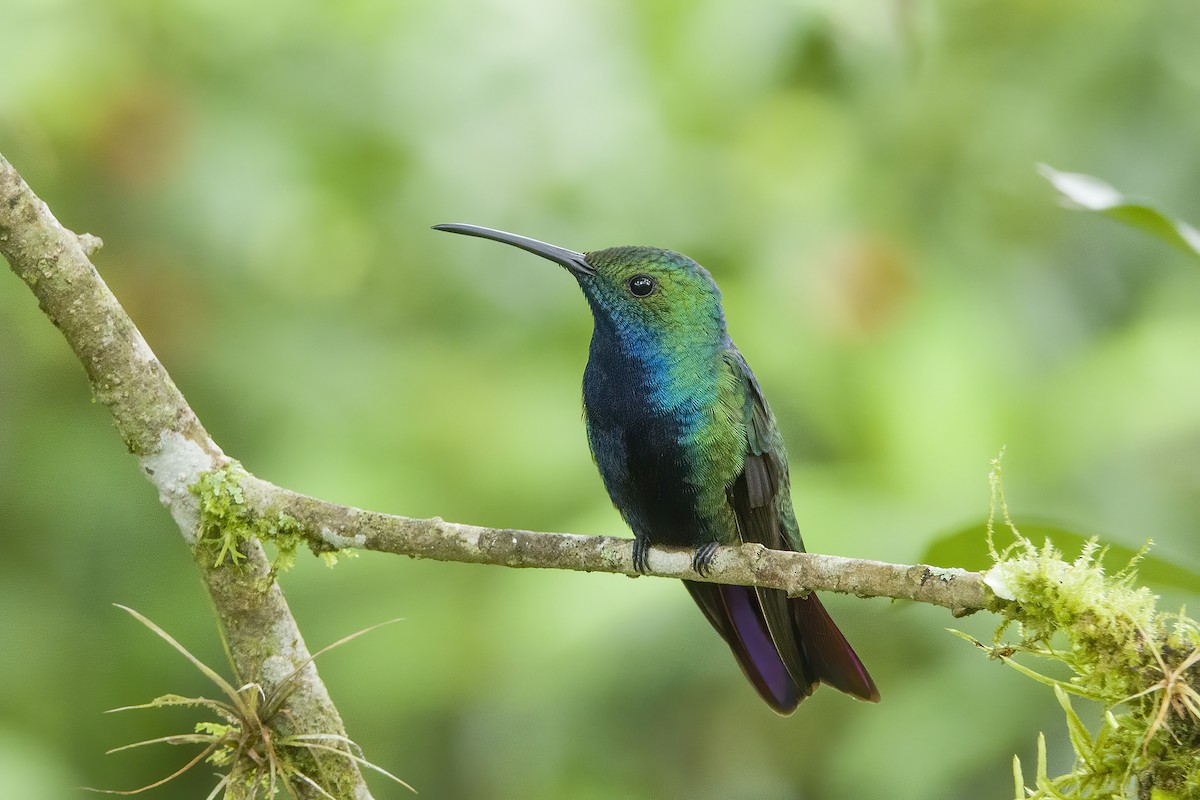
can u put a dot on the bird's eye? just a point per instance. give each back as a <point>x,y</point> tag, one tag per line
<point>642,285</point>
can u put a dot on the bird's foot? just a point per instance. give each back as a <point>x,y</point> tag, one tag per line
<point>641,552</point>
<point>702,560</point>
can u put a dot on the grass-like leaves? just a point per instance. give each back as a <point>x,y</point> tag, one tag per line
<point>242,741</point>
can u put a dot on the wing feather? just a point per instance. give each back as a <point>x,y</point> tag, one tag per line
<point>755,498</point>
<point>785,646</point>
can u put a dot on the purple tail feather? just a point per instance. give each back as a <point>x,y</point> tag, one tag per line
<point>784,646</point>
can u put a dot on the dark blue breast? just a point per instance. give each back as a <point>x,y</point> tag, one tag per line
<point>636,445</point>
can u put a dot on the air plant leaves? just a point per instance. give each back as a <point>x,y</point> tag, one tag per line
<point>244,742</point>
<point>237,700</point>
<point>279,697</point>
<point>195,760</point>
<point>223,710</point>
<point>315,740</point>
<point>1087,193</point>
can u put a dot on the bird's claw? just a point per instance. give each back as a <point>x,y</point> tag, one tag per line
<point>641,553</point>
<point>702,560</point>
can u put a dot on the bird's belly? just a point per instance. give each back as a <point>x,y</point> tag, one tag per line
<point>650,477</point>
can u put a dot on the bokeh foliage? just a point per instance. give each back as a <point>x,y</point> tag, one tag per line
<point>858,177</point>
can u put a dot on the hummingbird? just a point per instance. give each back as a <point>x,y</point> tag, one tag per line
<point>690,455</point>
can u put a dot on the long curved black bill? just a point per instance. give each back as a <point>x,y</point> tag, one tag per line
<point>573,261</point>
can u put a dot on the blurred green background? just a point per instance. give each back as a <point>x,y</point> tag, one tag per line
<point>859,178</point>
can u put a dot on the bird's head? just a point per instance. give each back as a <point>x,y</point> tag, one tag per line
<point>639,292</point>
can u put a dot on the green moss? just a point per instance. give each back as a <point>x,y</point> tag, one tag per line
<point>1106,619</point>
<point>284,532</point>
<point>1141,665</point>
<point>227,524</point>
<point>224,520</point>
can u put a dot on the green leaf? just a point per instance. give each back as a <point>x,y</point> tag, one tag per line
<point>1087,193</point>
<point>1081,740</point>
<point>967,548</point>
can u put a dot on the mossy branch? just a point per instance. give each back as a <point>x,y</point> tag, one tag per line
<point>174,451</point>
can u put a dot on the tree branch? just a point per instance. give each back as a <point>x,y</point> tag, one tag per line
<point>173,448</point>
<point>326,526</point>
